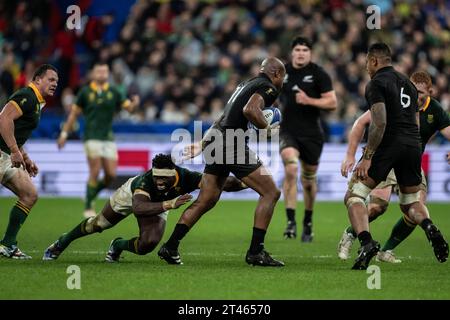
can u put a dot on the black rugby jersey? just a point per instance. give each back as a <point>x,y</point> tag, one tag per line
<point>303,120</point>
<point>233,117</point>
<point>399,95</point>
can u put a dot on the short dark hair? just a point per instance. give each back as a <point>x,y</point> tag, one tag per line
<point>301,41</point>
<point>163,161</point>
<point>42,69</point>
<point>380,49</point>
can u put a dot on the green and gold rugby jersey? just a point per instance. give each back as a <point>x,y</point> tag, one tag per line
<point>186,182</point>
<point>432,118</point>
<point>29,102</point>
<point>98,106</point>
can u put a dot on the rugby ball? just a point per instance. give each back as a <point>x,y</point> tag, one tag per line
<point>272,116</point>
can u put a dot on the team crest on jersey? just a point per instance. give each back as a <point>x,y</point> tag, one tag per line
<point>269,91</point>
<point>430,118</point>
<point>91,97</point>
<point>308,78</point>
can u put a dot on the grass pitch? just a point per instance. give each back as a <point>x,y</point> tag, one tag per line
<point>213,255</point>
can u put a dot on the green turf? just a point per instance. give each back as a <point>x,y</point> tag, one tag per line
<point>213,254</point>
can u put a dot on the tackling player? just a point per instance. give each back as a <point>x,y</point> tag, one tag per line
<point>149,197</point>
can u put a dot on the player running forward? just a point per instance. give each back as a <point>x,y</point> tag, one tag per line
<point>149,197</point>
<point>98,102</point>
<point>306,91</point>
<point>245,104</point>
<point>432,119</point>
<point>393,143</point>
<point>19,117</point>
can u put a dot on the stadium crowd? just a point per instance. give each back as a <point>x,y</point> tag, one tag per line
<point>184,58</point>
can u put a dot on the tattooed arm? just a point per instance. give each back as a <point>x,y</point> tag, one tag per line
<point>376,132</point>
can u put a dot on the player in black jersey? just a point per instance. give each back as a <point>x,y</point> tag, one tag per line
<point>393,143</point>
<point>223,156</point>
<point>307,90</point>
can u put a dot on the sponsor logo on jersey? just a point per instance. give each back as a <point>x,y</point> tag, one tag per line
<point>308,79</point>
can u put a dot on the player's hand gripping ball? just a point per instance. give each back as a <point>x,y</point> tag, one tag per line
<point>272,116</point>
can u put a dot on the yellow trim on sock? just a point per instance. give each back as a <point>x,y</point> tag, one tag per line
<point>136,245</point>
<point>23,207</point>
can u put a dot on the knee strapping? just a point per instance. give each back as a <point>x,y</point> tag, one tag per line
<point>408,198</point>
<point>291,161</point>
<point>97,224</point>
<point>309,175</point>
<point>354,200</point>
<point>361,190</point>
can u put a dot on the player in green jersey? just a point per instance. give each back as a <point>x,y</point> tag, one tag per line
<point>149,196</point>
<point>19,117</point>
<point>98,102</point>
<point>432,119</point>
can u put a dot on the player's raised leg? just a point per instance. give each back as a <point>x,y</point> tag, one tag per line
<point>20,184</point>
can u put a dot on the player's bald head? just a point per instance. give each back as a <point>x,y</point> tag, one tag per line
<point>274,69</point>
<point>272,66</point>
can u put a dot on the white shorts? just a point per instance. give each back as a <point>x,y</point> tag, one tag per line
<point>121,200</point>
<point>391,181</point>
<point>101,149</point>
<point>6,172</point>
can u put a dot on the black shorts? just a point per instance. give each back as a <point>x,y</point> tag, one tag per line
<point>404,159</point>
<point>310,148</point>
<point>237,159</point>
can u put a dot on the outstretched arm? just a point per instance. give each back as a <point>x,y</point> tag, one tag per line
<point>143,206</point>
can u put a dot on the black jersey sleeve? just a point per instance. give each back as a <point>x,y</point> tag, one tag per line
<point>324,81</point>
<point>269,94</point>
<point>374,93</point>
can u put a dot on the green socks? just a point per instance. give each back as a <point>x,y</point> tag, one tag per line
<point>77,232</point>
<point>92,191</point>
<point>400,232</point>
<point>17,217</point>
<point>127,245</point>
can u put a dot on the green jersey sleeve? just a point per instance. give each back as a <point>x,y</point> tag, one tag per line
<point>81,100</point>
<point>443,119</point>
<point>23,101</point>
